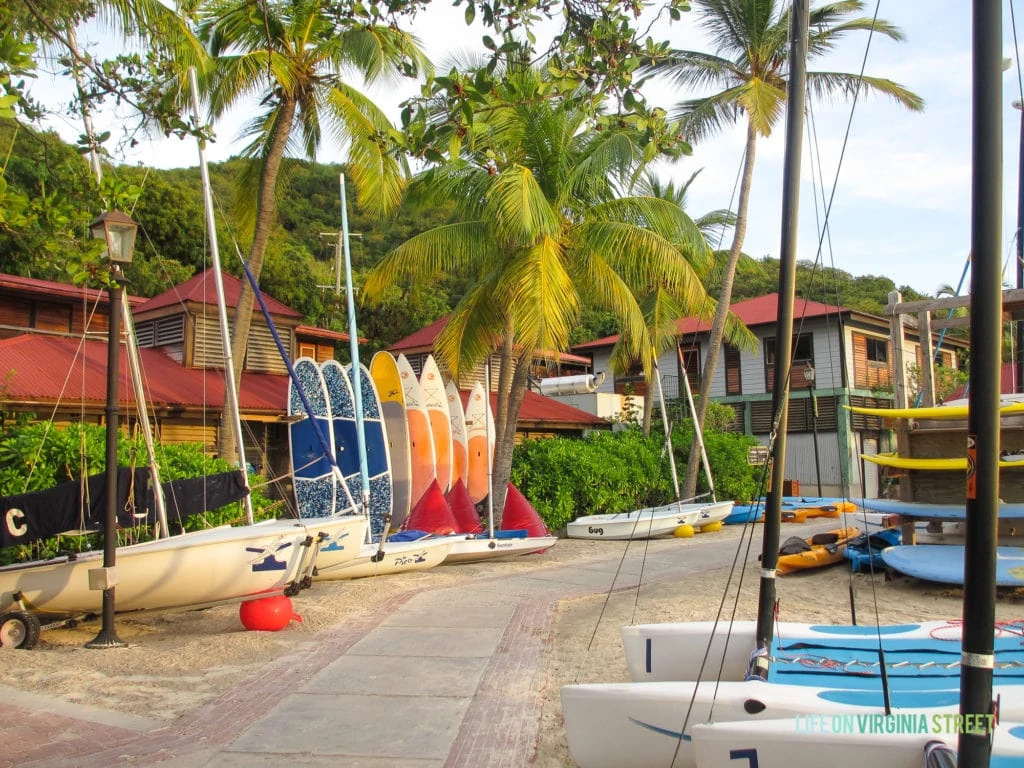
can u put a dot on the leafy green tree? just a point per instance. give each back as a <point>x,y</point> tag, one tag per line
<point>750,71</point>
<point>541,228</point>
<point>291,56</point>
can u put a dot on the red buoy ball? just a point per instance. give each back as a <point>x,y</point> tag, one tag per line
<point>267,614</point>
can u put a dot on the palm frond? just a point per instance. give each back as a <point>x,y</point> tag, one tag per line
<point>831,85</point>
<point>378,173</point>
<point>540,294</point>
<point>448,249</point>
<point>517,209</point>
<point>474,328</point>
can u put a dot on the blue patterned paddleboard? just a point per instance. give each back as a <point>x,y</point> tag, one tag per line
<point>378,463</point>
<point>312,476</point>
<point>346,449</point>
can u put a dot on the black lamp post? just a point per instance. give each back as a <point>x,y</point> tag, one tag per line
<point>118,231</point>
<point>809,375</point>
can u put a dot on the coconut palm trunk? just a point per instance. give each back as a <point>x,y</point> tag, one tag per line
<point>722,311</point>
<point>266,209</point>
<point>510,402</point>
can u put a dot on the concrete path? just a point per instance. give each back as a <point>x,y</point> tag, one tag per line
<point>442,677</point>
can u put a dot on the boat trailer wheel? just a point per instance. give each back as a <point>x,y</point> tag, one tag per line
<point>19,629</point>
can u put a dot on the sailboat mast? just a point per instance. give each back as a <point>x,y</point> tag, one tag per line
<point>668,436</point>
<point>487,447</point>
<point>697,432</point>
<point>353,341</point>
<point>230,390</point>
<point>784,334</point>
<point>983,426</point>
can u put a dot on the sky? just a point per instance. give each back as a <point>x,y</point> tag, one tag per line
<point>899,182</point>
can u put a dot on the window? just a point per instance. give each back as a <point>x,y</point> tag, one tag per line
<point>691,360</point>
<point>878,351</point>
<point>803,357</point>
<point>733,380</point>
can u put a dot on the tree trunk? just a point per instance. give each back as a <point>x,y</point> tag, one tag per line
<point>266,210</point>
<point>510,402</point>
<point>722,311</point>
<point>648,407</point>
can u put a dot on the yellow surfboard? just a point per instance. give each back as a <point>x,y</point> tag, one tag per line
<point>388,382</point>
<point>946,464</point>
<point>958,411</point>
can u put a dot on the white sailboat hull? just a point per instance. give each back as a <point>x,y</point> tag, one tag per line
<point>397,557</point>
<point>217,564</point>
<point>344,545</point>
<point>848,742</point>
<point>641,725</point>
<point>648,522</point>
<point>470,549</point>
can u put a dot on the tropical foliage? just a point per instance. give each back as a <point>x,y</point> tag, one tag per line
<point>610,472</point>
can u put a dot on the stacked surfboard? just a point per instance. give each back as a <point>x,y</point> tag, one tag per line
<point>420,444</point>
<point>952,411</point>
<point>944,563</point>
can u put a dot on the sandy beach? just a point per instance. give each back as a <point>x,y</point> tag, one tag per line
<point>178,661</point>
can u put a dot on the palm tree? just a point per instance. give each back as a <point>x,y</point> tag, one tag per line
<point>292,57</point>
<point>540,229</point>
<point>750,71</point>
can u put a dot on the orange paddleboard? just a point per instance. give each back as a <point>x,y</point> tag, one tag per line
<point>435,400</point>
<point>421,442</point>
<point>480,440</point>
<point>460,443</point>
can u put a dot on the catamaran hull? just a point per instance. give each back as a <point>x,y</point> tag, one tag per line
<point>651,725</point>
<point>675,650</point>
<point>214,565</point>
<point>849,742</point>
<point>397,557</point>
<point>473,550</point>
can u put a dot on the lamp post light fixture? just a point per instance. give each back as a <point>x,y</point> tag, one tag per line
<point>809,375</point>
<point>118,231</point>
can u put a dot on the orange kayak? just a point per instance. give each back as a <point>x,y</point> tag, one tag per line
<point>800,514</point>
<point>822,549</point>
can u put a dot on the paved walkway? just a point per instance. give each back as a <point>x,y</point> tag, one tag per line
<point>366,695</point>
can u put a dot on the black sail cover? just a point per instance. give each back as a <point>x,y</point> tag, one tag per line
<point>38,515</point>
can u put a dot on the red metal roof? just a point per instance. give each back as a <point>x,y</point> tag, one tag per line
<point>762,310</point>
<point>323,333</point>
<point>50,289</point>
<point>1007,383</point>
<point>541,409</point>
<point>424,340</point>
<point>51,370</point>
<point>201,290</point>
